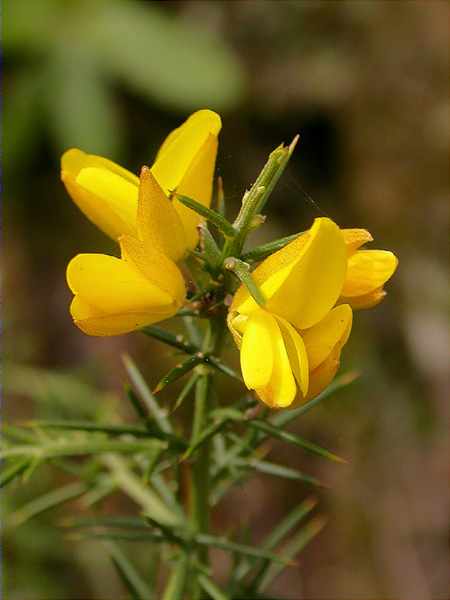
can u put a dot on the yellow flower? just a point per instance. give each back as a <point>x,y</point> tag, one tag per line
<point>290,350</point>
<point>108,193</point>
<point>367,271</point>
<point>117,295</point>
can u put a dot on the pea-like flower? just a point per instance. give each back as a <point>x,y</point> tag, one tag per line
<point>108,194</point>
<point>117,295</point>
<point>290,349</point>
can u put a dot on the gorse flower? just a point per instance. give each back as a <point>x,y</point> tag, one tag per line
<point>108,193</point>
<point>290,349</point>
<point>118,295</point>
<point>290,318</point>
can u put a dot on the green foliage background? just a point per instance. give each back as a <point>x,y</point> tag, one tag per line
<point>365,85</point>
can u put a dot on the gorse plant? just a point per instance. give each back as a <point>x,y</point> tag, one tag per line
<point>289,307</point>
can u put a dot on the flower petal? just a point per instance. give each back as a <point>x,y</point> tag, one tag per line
<point>281,390</point>
<point>355,238</point>
<point>93,322</point>
<point>158,222</point>
<point>256,349</point>
<point>366,301</point>
<point>73,160</point>
<point>104,191</point>
<point>323,375</point>
<point>112,285</point>
<point>322,338</point>
<point>154,266</point>
<point>305,290</point>
<point>298,357</point>
<point>197,183</point>
<point>367,271</point>
<point>181,146</point>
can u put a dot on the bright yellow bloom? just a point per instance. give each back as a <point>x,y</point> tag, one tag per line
<point>118,295</point>
<point>290,350</point>
<point>108,193</point>
<point>367,271</point>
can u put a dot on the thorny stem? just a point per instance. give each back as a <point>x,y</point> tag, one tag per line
<point>200,479</point>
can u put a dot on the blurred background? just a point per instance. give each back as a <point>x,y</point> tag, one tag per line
<point>365,83</point>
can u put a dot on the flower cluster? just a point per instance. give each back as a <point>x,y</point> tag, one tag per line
<point>290,343</point>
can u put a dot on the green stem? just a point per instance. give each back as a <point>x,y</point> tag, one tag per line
<point>200,480</point>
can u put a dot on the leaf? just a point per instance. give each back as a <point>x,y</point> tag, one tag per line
<point>179,342</point>
<point>224,544</point>
<point>178,579</point>
<point>143,495</point>
<point>278,533</point>
<point>185,392</point>
<point>128,574</point>
<point>296,545</point>
<point>146,395</point>
<point>47,501</point>
<point>150,431</point>
<point>13,470</point>
<point>71,447</point>
<point>211,588</point>
<point>222,419</point>
<point>213,217</point>
<point>210,251</point>
<point>278,470</point>
<point>180,65</point>
<point>178,371</point>
<point>294,439</point>
<point>264,250</point>
<point>242,272</point>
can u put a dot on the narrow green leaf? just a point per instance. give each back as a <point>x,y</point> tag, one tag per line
<point>143,495</point>
<point>277,470</point>
<point>18,434</point>
<point>47,501</point>
<point>185,392</point>
<point>242,271</point>
<point>178,578</point>
<point>69,447</point>
<point>215,362</point>
<point>221,421</point>
<point>264,250</point>
<point>110,521</point>
<point>215,218</point>
<point>294,439</point>
<point>224,544</point>
<point>278,533</point>
<point>111,429</point>
<point>150,431</point>
<point>169,338</point>
<point>179,342</point>
<point>179,370</point>
<point>137,404</point>
<point>296,545</point>
<point>104,487</point>
<point>129,575</point>
<point>146,395</point>
<point>210,251</point>
<point>211,588</point>
<point>283,418</point>
<point>13,470</point>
